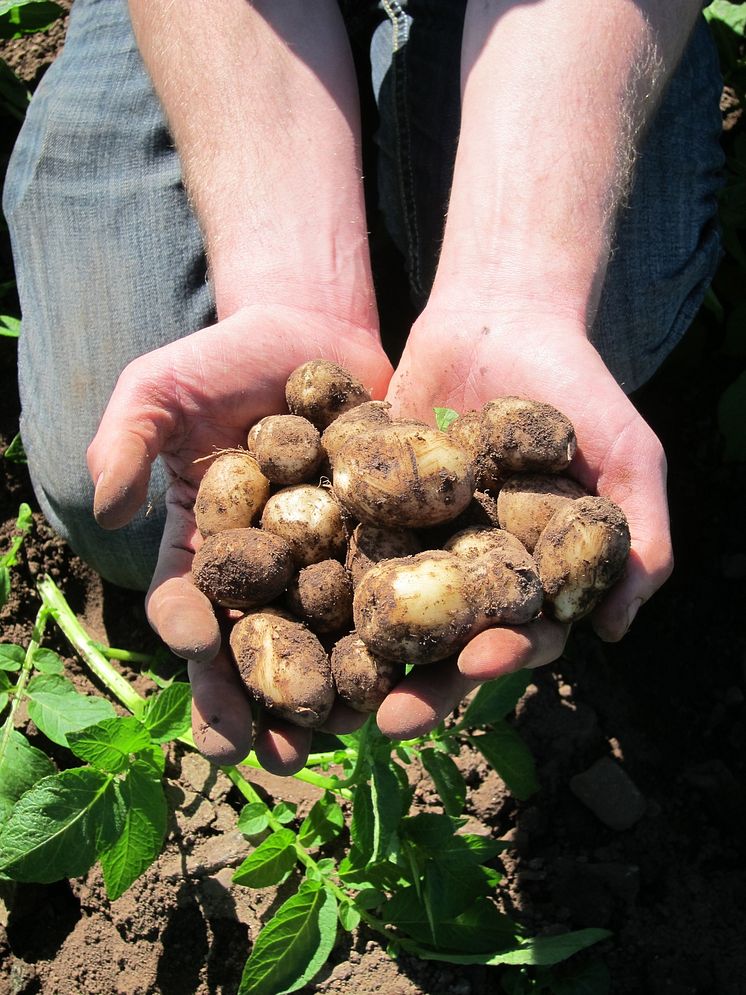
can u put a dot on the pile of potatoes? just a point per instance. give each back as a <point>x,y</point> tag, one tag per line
<point>338,516</point>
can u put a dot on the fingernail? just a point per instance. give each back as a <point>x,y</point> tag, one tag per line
<point>632,612</point>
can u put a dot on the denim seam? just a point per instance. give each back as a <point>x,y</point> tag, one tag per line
<point>406,175</point>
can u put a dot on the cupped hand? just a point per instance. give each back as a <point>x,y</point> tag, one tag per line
<point>183,402</point>
<point>461,358</point>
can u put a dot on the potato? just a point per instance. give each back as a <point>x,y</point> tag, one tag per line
<point>526,436</point>
<point>310,519</point>
<point>352,423</point>
<point>321,595</point>
<point>321,391</point>
<point>527,501</point>
<point>242,568</point>
<point>467,432</point>
<point>403,475</point>
<point>284,667</point>
<point>361,678</point>
<point>253,431</point>
<point>370,544</point>
<point>580,555</point>
<point>287,449</point>
<point>231,494</point>
<point>414,609</point>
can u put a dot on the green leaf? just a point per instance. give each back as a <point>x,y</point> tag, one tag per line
<point>387,805</point>
<point>294,945</point>
<point>10,327</point>
<point>5,585</point>
<point>285,812</point>
<point>361,826</point>
<point>732,420</point>
<point>25,518</point>
<point>506,752</point>
<point>48,662</point>
<point>270,863</point>
<point>349,916</point>
<point>369,898</point>
<point>23,17</point>
<point>168,714</point>
<point>15,453</point>
<point>434,837</point>
<point>480,929</point>
<point>58,827</point>
<point>108,745</point>
<point>4,696</point>
<point>323,823</point>
<point>541,951</point>
<point>732,14</point>
<point>445,417</point>
<point>21,767</point>
<point>11,657</point>
<point>144,830</point>
<point>253,819</point>
<point>57,708</point>
<point>447,780</point>
<point>496,699</point>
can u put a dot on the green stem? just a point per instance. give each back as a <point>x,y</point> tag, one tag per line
<point>126,656</point>
<point>27,668</point>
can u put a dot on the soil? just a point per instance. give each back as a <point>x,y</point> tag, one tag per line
<point>649,733</point>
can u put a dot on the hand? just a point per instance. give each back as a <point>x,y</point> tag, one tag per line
<point>183,402</point>
<point>463,358</point>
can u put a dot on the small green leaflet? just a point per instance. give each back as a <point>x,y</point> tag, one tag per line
<point>506,752</point>
<point>15,453</point>
<point>447,780</point>
<point>270,863</point>
<point>349,917</point>
<point>21,766</point>
<point>496,699</point>
<point>284,812</point>
<point>445,417</point>
<point>11,657</point>
<point>168,714</point>
<point>57,708</point>
<point>108,745</point>
<point>58,827</point>
<point>387,808</point>
<point>543,951</point>
<point>10,327</point>
<point>434,837</point>
<point>253,819</point>
<point>140,842</point>
<point>23,524</point>
<point>48,662</point>
<point>294,945</point>
<point>361,827</point>
<point>323,823</point>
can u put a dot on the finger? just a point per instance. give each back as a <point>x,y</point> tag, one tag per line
<point>281,748</point>
<point>181,615</point>
<point>423,699</point>
<point>221,711</point>
<point>503,650</point>
<point>645,572</point>
<point>342,719</point>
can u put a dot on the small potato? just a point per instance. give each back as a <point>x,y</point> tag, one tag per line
<point>580,555</point>
<point>503,582</point>
<point>351,423</point>
<point>467,432</point>
<point>311,520</point>
<point>527,501</point>
<point>253,434</point>
<point>284,667</point>
<point>242,568</point>
<point>370,544</point>
<point>287,449</point>
<point>321,595</point>
<point>321,391</point>
<point>231,494</point>
<point>414,609</point>
<point>523,436</point>
<point>361,678</point>
<point>403,475</point>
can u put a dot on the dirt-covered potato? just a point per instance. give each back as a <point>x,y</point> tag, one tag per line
<point>243,568</point>
<point>361,678</point>
<point>352,423</point>
<point>527,501</point>
<point>310,519</point>
<point>287,449</point>
<point>284,667</point>
<point>502,580</point>
<point>370,544</point>
<point>321,391</point>
<point>403,475</point>
<point>467,432</point>
<point>580,554</point>
<point>253,434</point>
<point>414,609</point>
<point>522,436</point>
<point>321,595</point>
<point>231,494</point>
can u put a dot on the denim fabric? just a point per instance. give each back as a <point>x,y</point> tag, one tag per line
<point>110,261</point>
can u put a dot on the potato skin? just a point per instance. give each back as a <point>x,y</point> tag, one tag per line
<point>580,555</point>
<point>369,544</point>
<point>351,423</point>
<point>231,494</point>
<point>321,595</point>
<point>361,678</point>
<point>527,501</point>
<point>242,568</point>
<point>403,475</point>
<point>287,449</point>
<point>522,436</point>
<point>467,432</point>
<point>321,391</point>
<point>284,667</point>
<point>310,519</point>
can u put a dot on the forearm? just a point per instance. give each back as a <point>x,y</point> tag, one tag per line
<point>555,98</point>
<point>261,100</point>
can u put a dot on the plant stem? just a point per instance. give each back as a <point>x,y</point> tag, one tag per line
<point>27,668</point>
<point>126,656</point>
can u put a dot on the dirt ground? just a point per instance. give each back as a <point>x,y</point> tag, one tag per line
<point>665,707</point>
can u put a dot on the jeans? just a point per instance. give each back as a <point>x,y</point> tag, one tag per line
<point>110,261</point>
